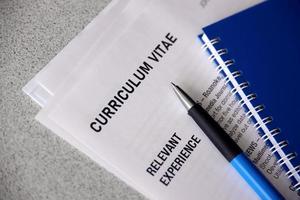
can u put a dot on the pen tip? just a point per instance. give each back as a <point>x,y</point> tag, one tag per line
<point>173,84</point>
<point>184,98</point>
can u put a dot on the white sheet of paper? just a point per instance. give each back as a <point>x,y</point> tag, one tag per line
<point>188,69</point>
<point>136,135</point>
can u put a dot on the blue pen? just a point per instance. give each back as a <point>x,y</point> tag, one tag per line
<point>230,150</point>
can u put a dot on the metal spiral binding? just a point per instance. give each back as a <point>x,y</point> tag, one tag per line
<point>280,145</point>
<point>258,109</point>
<point>273,133</point>
<point>250,97</point>
<point>228,63</point>
<point>265,121</point>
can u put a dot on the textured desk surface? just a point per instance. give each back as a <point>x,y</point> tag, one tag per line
<point>34,162</point>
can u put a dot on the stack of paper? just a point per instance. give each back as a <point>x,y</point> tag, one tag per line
<point>108,93</point>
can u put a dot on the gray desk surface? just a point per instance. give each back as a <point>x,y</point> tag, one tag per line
<point>34,162</point>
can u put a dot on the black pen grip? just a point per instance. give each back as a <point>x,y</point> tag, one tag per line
<point>214,132</point>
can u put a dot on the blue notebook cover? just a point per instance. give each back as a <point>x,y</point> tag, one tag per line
<point>264,41</point>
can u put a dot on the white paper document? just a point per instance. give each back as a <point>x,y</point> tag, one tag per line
<point>114,102</point>
<point>121,111</point>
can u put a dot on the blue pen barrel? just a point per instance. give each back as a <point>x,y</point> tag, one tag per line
<point>255,178</point>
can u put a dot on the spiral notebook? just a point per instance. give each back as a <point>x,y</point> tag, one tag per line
<point>262,44</point>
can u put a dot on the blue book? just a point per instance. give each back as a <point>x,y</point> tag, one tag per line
<point>263,42</point>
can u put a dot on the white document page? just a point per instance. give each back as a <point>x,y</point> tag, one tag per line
<point>49,79</point>
<point>128,141</point>
<point>144,124</point>
<point>96,37</point>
